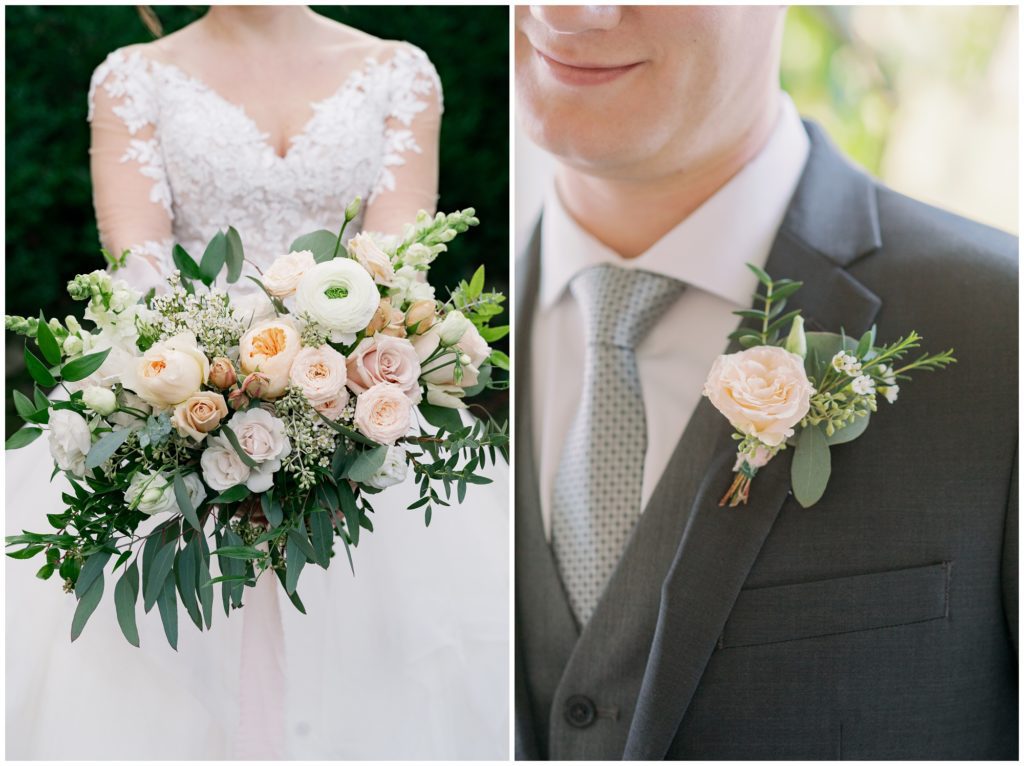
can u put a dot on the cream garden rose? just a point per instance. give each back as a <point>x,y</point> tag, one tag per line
<point>372,258</point>
<point>383,413</point>
<point>384,359</point>
<point>199,414</point>
<point>270,348</point>
<point>340,296</point>
<point>319,373</point>
<point>763,391</point>
<point>262,437</point>
<point>222,467</point>
<point>170,371</point>
<point>152,492</point>
<point>284,274</point>
<point>70,440</point>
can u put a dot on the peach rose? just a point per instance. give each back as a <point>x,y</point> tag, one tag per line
<point>282,278</point>
<point>763,391</point>
<point>420,316</point>
<point>199,414</point>
<point>383,359</point>
<point>370,256</point>
<point>269,348</point>
<point>387,320</point>
<point>333,409</point>
<point>383,413</point>
<point>222,373</point>
<point>319,373</point>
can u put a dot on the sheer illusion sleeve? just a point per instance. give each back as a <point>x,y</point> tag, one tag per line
<point>408,180</point>
<point>131,195</point>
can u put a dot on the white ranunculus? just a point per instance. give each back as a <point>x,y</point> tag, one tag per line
<point>252,308</point>
<point>70,440</point>
<point>221,464</point>
<point>410,285</point>
<point>270,347</point>
<point>100,400</point>
<point>170,371</point>
<point>372,258</point>
<point>286,271</point>
<point>452,328</point>
<point>262,437</point>
<point>340,296</point>
<point>393,471</point>
<point>152,492</point>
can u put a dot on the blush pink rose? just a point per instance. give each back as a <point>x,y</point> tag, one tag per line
<point>763,391</point>
<point>384,359</point>
<point>383,413</point>
<point>319,373</point>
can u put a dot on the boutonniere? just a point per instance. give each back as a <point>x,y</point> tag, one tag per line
<point>806,390</point>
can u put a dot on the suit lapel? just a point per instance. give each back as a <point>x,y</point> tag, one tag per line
<point>831,221</point>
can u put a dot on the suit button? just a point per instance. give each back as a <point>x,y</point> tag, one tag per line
<point>580,711</point>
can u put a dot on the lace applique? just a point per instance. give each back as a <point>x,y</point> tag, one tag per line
<point>412,80</point>
<point>126,77</point>
<point>148,265</point>
<point>213,166</point>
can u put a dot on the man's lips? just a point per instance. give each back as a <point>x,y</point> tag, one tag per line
<point>584,73</point>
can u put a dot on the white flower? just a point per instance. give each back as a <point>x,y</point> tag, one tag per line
<point>863,385</point>
<point>409,286</point>
<point>170,371</point>
<point>372,258</point>
<point>152,492</point>
<point>449,396</point>
<point>222,466</point>
<point>418,254</point>
<point>844,362</point>
<point>70,440</point>
<point>284,274</point>
<point>891,393</point>
<point>262,437</point>
<point>72,345</point>
<point>252,308</point>
<point>886,373</point>
<point>320,374</point>
<point>115,368</point>
<point>452,328</point>
<point>340,296</point>
<point>393,471</point>
<point>100,400</point>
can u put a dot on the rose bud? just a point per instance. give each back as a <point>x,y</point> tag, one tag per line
<point>256,384</point>
<point>396,327</point>
<point>381,317</point>
<point>222,373</point>
<point>420,316</point>
<point>238,399</point>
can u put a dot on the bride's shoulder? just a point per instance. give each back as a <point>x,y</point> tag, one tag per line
<point>351,42</point>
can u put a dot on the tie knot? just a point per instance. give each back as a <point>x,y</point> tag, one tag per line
<point>620,306</point>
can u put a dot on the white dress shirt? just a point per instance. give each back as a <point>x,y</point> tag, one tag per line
<point>708,251</point>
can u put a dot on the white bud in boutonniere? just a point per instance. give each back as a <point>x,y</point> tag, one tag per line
<point>863,385</point>
<point>796,343</point>
<point>452,328</point>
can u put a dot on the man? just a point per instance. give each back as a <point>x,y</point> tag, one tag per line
<point>881,623</point>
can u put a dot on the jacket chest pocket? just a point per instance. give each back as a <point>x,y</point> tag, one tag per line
<point>839,605</point>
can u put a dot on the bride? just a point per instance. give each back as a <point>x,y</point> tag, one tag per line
<point>270,120</point>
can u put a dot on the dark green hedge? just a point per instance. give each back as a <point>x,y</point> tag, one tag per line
<point>52,51</point>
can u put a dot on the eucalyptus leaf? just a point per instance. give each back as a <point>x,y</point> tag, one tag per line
<point>213,258</point>
<point>87,604</point>
<point>235,256</point>
<point>92,570</point>
<point>158,575</point>
<point>232,494</point>
<point>850,432</point>
<point>126,595</point>
<point>168,606</point>
<point>294,596</point>
<point>185,577</point>
<point>242,454</point>
<point>295,560</point>
<point>812,466</point>
<point>239,552</point>
<point>323,536</point>
<point>321,243</point>
<point>105,446</point>
<point>441,417</point>
<point>185,503</point>
<point>367,463</point>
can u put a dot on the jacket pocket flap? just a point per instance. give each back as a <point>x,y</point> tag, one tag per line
<point>779,613</point>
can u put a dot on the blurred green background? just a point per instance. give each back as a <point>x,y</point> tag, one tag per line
<point>51,53</point>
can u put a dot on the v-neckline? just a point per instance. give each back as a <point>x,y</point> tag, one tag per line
<point>240,109</point>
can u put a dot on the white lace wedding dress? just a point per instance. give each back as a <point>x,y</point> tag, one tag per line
<point>409,658</point>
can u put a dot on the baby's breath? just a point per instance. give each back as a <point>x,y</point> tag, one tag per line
<point>207,315</point>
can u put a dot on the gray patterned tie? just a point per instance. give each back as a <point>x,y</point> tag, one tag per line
<point>596,496</point>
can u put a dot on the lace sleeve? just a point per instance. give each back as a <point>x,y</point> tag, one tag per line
<point>131,196</point>
<point>408,180</point>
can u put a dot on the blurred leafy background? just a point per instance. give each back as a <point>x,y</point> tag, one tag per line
<point>923,97</point>
<point>51,52</point>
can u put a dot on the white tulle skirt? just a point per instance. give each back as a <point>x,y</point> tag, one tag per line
<point>407,660</point>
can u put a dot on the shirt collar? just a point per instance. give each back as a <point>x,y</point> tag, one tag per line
<point>708,250</point>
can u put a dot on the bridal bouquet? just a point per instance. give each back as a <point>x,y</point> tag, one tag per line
<point>254,429</point>
<point>808,390</point>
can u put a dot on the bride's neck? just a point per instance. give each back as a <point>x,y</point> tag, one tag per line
<point>258,24</point>
<point>630,212</point>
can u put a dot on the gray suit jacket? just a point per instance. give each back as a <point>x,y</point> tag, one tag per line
<point>879,624</point>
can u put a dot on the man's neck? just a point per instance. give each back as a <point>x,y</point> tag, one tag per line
<point>630,215</point>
